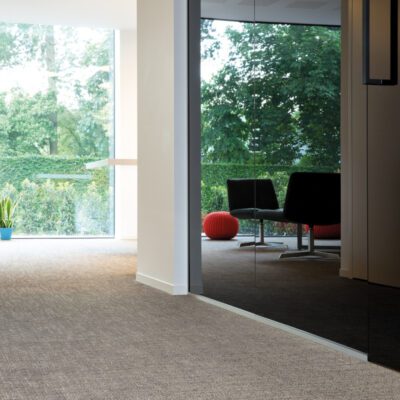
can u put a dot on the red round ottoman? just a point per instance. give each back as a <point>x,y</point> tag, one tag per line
<point>220,225</point>
<point>326,231</point>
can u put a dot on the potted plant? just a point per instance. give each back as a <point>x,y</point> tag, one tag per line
<point>7,209</point>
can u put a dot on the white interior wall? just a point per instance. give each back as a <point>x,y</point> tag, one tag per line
<point>162,145</point>
<point>125,134</point>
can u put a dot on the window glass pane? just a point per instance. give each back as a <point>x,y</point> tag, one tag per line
<point>295,88</point>
<point>56,115</point>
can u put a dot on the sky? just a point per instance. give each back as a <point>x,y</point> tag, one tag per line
<point>32,77</point>
<point>210,66</point>
<point>27,76</point>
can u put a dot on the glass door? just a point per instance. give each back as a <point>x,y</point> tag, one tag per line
<point>270,116</point>
<point>297,98</point>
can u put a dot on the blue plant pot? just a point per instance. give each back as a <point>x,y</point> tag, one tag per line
<point>6,233</point>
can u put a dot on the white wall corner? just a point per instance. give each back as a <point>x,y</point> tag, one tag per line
<point>170,288</point>
<point>162,145</point>
<point>181,244</point>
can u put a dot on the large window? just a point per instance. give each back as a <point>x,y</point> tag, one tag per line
<point>270,106</point>
<point>56,115</point>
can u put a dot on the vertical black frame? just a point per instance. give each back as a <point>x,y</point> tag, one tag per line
<point>194,144</point>
<point>367,80</point>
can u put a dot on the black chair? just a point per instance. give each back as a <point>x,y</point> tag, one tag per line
<point>247,197</point>
<point>312,199</point>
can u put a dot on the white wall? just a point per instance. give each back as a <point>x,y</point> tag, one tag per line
<point>162,145</point>
<point>126,133</point>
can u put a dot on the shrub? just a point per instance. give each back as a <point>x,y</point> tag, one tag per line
<point>94,212</point>
<point>46,208</point>
<point>57,207</point>
<point>213,198</point>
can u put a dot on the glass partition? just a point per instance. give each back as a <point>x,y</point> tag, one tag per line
<point>271,158</point>
<point>227,161</point>
<point>298,130</point>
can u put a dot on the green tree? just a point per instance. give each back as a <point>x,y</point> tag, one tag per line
<point>23,42</point>
<point>94,99</point>
<point>28,125</point>
<point>67,122</point>
<point>277,98</point>
<point>41,124</point>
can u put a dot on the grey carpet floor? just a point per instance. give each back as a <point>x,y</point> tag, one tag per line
<point>74,324</point>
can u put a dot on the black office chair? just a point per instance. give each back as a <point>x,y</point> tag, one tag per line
<point>312,199</point>
<point>246,197</point>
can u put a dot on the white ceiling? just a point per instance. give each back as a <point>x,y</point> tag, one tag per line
<point>121,14</point>
<point>117,14</point>
<point>321,12</point>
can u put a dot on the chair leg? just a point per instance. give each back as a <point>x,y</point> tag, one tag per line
<point>299,236</point>
<point>310,252</point>
<point>262,242</point>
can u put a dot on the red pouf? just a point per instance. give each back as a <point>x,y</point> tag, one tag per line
<point>326,231</point>
<point>220,225</point>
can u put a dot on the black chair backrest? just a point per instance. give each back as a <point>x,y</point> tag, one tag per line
<point>313,198</point>
<point>251,193</point>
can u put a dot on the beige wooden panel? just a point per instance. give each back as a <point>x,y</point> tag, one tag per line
<point>359,148</point>
<point>353,145</point>
<point>384,185</point>
<point>346,259</point>
<point>380,39</point>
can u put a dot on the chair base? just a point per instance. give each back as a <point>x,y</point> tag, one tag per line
<point>310,252</point>
<point>275,246</point>
<point>271,245</point>
<point>307,253</point>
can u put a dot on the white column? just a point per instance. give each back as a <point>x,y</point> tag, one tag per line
<point>162,145</point>
<point>126,133</point>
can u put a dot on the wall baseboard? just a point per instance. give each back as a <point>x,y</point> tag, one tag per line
<point>126,237</point>
<point>177,290</point>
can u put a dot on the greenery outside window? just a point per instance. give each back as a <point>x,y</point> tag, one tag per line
<point>56,115</point>
<point>282,79</point>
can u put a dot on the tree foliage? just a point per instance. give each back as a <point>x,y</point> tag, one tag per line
<point>55,130</point>
<point>42,123</point>
<point>276,100</point>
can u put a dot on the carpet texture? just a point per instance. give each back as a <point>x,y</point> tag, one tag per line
<point>75,325</point>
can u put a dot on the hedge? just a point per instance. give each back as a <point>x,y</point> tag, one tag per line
<point>14,170</point>
<point>61,206</point>
<point>218,173</point>
<point>85,203</point>
<point>51,208</point>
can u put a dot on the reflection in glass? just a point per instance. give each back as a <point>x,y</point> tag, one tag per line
<point>271,107</point>
<point>226,153</point>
